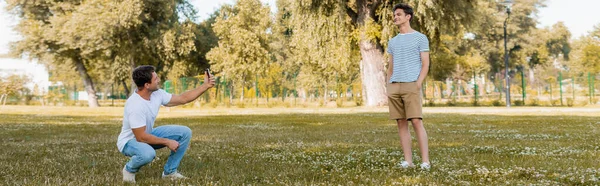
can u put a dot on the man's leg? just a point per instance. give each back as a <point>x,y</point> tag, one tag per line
<point>140,153</point>
<point>405,140</point>
<point>421,138</point>
<point>181,134</point>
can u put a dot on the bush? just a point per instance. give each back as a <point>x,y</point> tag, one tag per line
<point>570,102</point>
<point>475,102</point>
<point>519,103</point>
<point>213,104</point>
<point>555,102</point>
<point>339,102</point>
<point>497,102</point>
<point>535,102</point>
<point>274,103</point>
<point>240,104</point>
<point>358,100</point>
<point>287,104</point>
<point>431,102</point>
<point>451,102</point>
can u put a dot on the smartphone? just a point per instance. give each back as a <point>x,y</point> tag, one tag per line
<point>208,72</point>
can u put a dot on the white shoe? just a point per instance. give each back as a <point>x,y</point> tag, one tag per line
<point>425,166</point>
<point>405,165</point>
<point>128,176</point>
<point>173,176</point>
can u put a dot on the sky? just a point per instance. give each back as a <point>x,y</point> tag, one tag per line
<point>579,16</point>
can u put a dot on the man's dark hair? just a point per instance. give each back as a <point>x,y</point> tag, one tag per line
<point>407,10</point>
<point>142,75</point>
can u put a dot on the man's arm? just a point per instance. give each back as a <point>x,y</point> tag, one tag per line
<point>142,136</point>
<point>390,69</point>
<point>191,95</point>
<point>424,68</point>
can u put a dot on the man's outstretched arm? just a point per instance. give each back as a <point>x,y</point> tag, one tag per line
<point>191,95</point>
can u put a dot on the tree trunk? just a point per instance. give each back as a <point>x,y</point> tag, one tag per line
<point>373,78</point>
<point>242,95</point>
<point>372,71</point>
<point>231,93</point>
<point>459,87</point>
<point>87,82</point>
<point>442,90</point>
<point>325,93</point>
<point>127,92</point>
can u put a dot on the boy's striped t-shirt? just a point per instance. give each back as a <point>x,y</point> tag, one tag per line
<point>406,51</point>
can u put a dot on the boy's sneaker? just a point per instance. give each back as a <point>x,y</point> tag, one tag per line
<point>128,176</point>
<point>425,166</point>
<point>404,164</point>
<point>173,176</point>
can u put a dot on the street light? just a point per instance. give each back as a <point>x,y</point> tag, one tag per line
<point>507,4</point>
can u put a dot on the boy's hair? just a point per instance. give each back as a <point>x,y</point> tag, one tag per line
<point>407,10</point>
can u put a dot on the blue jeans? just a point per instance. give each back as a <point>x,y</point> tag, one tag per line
<point>143,153</point>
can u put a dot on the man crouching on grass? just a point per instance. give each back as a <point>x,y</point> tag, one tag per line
<point>138,138</point>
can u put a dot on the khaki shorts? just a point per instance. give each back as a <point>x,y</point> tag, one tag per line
<point>404,100</point>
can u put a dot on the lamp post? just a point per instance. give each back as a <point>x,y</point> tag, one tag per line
<point>507,4</point>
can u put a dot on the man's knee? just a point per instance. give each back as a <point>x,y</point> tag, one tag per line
<point>148,156</point>
<point>186,131</point>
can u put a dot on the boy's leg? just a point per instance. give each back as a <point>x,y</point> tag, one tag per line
<point>414,111</point>
<point>181,134</point>
<point>405,140</point>
<point>140,153</point>
<point>421,138</point>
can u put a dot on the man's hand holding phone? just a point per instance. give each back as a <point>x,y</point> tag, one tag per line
<point>209,80</point>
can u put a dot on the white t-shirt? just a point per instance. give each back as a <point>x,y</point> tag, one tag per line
<point>140,112</point>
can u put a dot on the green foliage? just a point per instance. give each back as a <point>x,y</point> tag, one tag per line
<point>519,103</point>
<point>243,48</point>
<point>497,102</point>
<point>586,54</point>
<point>104,40</point>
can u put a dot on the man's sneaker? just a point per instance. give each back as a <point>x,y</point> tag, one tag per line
<point>405,165</point>
<point>173,176</point>
<point>425,166</point>
<point>128,176</point>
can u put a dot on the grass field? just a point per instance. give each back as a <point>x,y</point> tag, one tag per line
<point>354,146</point>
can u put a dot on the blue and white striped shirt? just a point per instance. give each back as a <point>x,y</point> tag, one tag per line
<point>406,50</point>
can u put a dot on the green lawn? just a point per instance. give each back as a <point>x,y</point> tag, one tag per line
<point>308,149</point>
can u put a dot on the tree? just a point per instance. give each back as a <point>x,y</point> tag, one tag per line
<point>587,53</point>
<point>104,40</point>
<point>558,44</point>
<point>322,46</point>
<point>42,28</point>
<point>13,85</point>
<point>281,48</point>
<point>243,47</point>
